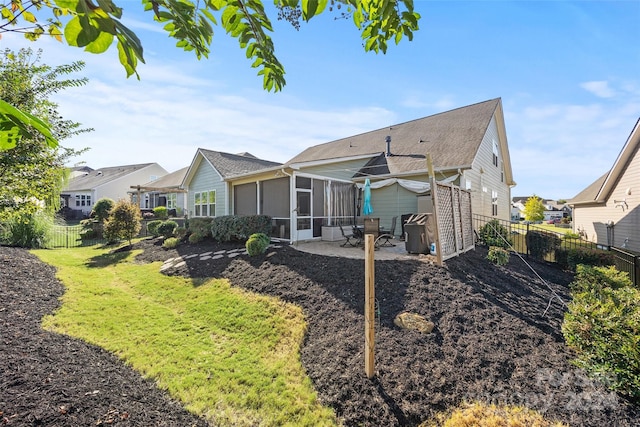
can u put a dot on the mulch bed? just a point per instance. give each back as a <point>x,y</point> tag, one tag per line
<point>497,339</point>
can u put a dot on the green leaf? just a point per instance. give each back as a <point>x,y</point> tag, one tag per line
<point>310,8</point>
<point>101,44</point>
<point>16,123</point>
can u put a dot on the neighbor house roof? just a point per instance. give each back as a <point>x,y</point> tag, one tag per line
<point>227,164</point>
<point>101,176</point>
<point>169,181</point>
<point>600,190</point>
<point>452,138</point>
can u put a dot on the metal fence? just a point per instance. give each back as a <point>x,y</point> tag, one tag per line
<point>628,262</point>
<point>70,236</point>
<point>518,231</point>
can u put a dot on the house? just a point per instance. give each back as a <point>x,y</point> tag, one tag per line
<point>552,208</point>
<point>164,191</point>
<point>81,193</point>
<point>321,185</point>
<point>207,181</point>
<point>608,211</point>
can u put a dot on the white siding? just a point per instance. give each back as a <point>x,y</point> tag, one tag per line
<point>626,223</point>
<point>485,175</point>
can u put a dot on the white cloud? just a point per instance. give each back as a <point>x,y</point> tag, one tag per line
<point>599,88</point>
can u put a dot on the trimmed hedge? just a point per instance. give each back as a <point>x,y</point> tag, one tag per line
<point>152,227</point>
<point>539,243</point>
<point>231,227</point>
<point>571,258</point>
<point>199,229</point>
<point>167,228</point>
<point>603,326</point>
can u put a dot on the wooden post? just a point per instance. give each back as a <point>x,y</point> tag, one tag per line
<point>369,306</point>
<point>434,200</point>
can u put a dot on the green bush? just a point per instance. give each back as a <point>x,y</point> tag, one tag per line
<point>171,243</point>
<point>102,209</point>
<point>498,256</point>
<point>167,228</point>
<point>602,325</point>
<point>495,234</point>
<point>230,227</point>
<point>571,258</point>
<point>570,235</point>
<point>257,244</point>
<point>88,234</point>
<point>540,243</point>
<point>199,229</point>
<point>123,222</point>
<point>28,230</point>
<point>152,227</point>
<point>160,212</point>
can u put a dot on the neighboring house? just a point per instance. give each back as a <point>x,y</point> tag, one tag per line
<point>164,191</point>
<point>82,192</point>
<point>321,185</point>
<point>552,209</point>
<point>77,171</point>
<point>207,181</point>
<point>608,211</point>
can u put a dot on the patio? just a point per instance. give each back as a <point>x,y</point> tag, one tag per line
<point>397,252</point>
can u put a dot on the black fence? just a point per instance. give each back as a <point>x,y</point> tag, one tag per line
<point>629,262</point>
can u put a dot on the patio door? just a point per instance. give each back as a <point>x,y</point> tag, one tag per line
<point>303,214</point>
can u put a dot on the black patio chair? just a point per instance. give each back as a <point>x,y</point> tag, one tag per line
<point>384,239</point>
<point>348,238</point>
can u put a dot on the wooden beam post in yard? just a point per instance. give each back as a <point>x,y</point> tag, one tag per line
<point>434,200</point>
<point>369,306</point>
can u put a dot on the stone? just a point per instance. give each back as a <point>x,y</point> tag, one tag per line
<point>205,257</point>
<point>414,321</point>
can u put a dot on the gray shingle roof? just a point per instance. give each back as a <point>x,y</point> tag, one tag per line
<point>235,164</point>
<point>452,138</point>
<point>172,180</point>
<point>102,176</point>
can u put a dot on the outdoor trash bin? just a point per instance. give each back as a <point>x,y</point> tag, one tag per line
<point>416,239</point>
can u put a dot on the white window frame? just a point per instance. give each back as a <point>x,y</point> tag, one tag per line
<point>494,202</point>
<point>204,203</point>
<point>172,200</point>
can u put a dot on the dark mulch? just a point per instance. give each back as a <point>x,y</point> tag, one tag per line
<point>497,340</point>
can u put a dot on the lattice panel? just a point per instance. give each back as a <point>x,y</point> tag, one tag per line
<point>445,221</point>
<point>454,216</point>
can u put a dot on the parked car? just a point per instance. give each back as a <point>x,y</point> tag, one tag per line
<point>554,221</point>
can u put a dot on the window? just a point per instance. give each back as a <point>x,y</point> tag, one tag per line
<point>83,200</point>
<point>172,200</point>
<point>204,203</point>
<point>495,153</point>
<point>494,203</point>
<point>468,185</point>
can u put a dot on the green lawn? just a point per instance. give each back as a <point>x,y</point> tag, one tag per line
<point>226,354</point>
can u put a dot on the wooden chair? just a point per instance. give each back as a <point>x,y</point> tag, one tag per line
<point>384,239</point>
<point>348,238</point>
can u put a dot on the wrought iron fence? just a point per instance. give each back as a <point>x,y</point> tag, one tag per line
<point>517,236</point>
<point>70,236</point>
<point>629,262</point>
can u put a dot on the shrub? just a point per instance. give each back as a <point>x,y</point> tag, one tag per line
<point>27,230</point>
<point>569,235</point>
<point>199,229</point>
<point>257,244</point>
<point>102,209</point>
<point>152,227</point>
<point>230,227</point>
<point>539,243</point>
<point>167,228</point>
<point>602,325</point>
<point>498,256</point>
<point>571,258</point>
<point>495,234</point>
<point>171,243</point>
<point>123,222</point>
<point>160,212</point>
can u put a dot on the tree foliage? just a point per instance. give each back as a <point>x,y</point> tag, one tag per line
<point>31,172</point>
<point>534,209</point>
<point>123,222</point>
<point>96,25</point>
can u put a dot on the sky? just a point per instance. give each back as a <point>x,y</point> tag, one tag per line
<point>568,74</point>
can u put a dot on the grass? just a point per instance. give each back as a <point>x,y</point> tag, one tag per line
<point>483,415</point>
<point>228,355</point>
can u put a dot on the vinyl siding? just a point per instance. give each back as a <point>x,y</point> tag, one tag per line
<point>484,174</point>
<point>390,201</point>
<point>593,218</point>
<point>206,178</point>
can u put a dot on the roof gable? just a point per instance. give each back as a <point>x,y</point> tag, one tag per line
<point>600,190</point>
<point>452,138</point>
<point>227,165</point>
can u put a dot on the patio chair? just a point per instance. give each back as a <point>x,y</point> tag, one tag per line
<point>384,239</point>
<point>348,238</point>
